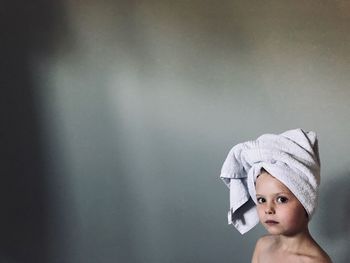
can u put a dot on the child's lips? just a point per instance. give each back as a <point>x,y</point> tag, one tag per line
<point>271,222</point>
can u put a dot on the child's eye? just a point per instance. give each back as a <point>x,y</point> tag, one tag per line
<point>261,200</point>
<point>282,199</point>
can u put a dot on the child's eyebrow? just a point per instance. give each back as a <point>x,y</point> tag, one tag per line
<point>274,194</point>
<point>282,193</point>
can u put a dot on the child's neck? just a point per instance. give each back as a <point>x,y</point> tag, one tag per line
<point>296,242</point>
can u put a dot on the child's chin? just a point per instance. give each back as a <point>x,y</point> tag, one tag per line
<point>273,230</point>
<point>280,232</point>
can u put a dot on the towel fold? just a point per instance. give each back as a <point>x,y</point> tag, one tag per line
<point>292,157</point>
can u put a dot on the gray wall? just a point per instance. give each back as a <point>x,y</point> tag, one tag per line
<point>119,114</point>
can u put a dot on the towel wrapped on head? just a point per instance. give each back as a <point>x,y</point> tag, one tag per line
<point>291,157</point>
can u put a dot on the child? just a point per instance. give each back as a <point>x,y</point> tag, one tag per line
<point>275,179</point>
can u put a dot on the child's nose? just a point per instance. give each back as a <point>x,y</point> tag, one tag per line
<point>269,210</point>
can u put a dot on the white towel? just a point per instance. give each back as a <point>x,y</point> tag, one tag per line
<point>292,157</point>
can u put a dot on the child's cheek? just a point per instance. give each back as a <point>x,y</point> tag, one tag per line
<point>261,212</point>
<point>290,215</point>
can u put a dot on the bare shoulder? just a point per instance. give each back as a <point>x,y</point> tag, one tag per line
<point>319,259</point>
<point>263,245</point>
<point>322,257</point>
<point>318,255</point>
<point>266,242</point>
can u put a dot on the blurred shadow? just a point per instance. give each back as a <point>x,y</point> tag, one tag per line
<point>335,218</point>
<point>27,30</point>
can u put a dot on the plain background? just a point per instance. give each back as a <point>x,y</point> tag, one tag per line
<point>117,117</point>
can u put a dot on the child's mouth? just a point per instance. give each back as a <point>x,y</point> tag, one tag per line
<point>271,222</point>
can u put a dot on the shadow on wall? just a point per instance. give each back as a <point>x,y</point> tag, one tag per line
<point>27,30</point>
<point>335,218</point>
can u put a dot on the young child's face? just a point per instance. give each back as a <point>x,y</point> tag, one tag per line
<point>279,210</point>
